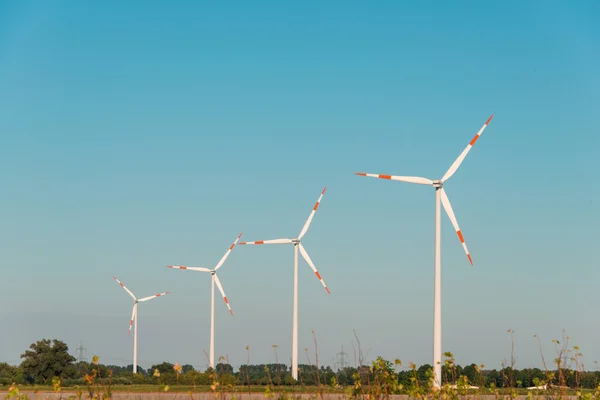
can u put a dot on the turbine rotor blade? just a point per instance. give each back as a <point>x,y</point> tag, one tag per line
<point>450,212</point>
<point>273,241</point>
<point>462,155</point>
<point>311,216</point>
<point>153,297</point>
<point>409,179</point>
<point>123,286</point>
<point>218,282</point>
<point>312,266</point>
<point>227,253</point>
<point>190,268</point>
<point>133,315</point>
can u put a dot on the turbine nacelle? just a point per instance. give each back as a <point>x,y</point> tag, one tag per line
<point>437,184</point>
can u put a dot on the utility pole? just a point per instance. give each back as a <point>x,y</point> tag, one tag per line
<point>80,353</point>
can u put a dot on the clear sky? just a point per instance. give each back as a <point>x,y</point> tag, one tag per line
<point>137,136</point>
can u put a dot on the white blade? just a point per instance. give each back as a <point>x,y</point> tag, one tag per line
<point>274,241</point>
<point>312,214</point>
<point>462,156</point>
<point>409,179</point>
<point>310,263</point>
<point>190,268</point>
<point>227,253</point>
<point>448,208</point>
<point>218,282</point>
<point>123,286</point>
<point>133,315</point>
<point>153,297</point>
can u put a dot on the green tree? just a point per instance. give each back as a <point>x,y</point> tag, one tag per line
<point>470,371</point>
<point>47,359</point>
<point>222,368</point>
<point>163,368</point>
<point>424,373</point>
<point>10,374</point>
<point>186,368</point>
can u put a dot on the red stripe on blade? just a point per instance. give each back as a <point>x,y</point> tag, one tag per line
<point>472,142</point>
<point>460,236</point>
<point>316,206</point>
<point>385,176</point>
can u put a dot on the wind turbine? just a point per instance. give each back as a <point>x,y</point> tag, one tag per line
<point>215,279</point>
<point>440,194</point>
<point>134,317</point>
<point>297,246</point>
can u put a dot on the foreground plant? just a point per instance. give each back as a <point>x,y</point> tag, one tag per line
<point>13,393</point>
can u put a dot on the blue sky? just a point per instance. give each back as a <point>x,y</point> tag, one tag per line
<point>134,137</point>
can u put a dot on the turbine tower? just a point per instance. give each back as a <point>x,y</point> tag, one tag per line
<point>440,196</point>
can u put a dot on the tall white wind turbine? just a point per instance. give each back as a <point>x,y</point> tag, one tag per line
<point>134,318</point>
<point>440,195</point>
<point>298,246</point>
<point>215,279</point>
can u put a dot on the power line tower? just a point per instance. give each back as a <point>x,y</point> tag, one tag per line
<point>80,353</point>
<point>342,363</point>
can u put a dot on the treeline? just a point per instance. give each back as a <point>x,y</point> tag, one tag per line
<point>48,359</point>
<point>280,374</point>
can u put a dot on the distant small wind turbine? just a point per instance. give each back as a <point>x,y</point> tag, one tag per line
<point>298,246</point>
<point>440,194</point>
<point>134,317</point>
<point>215,279</point>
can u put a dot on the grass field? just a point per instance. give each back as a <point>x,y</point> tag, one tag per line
<point>151,392</point>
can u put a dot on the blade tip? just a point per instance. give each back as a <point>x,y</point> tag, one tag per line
<point>324,189</point>
<point>328,290</point>
<point>360,173</point>
<point>489,119</point>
